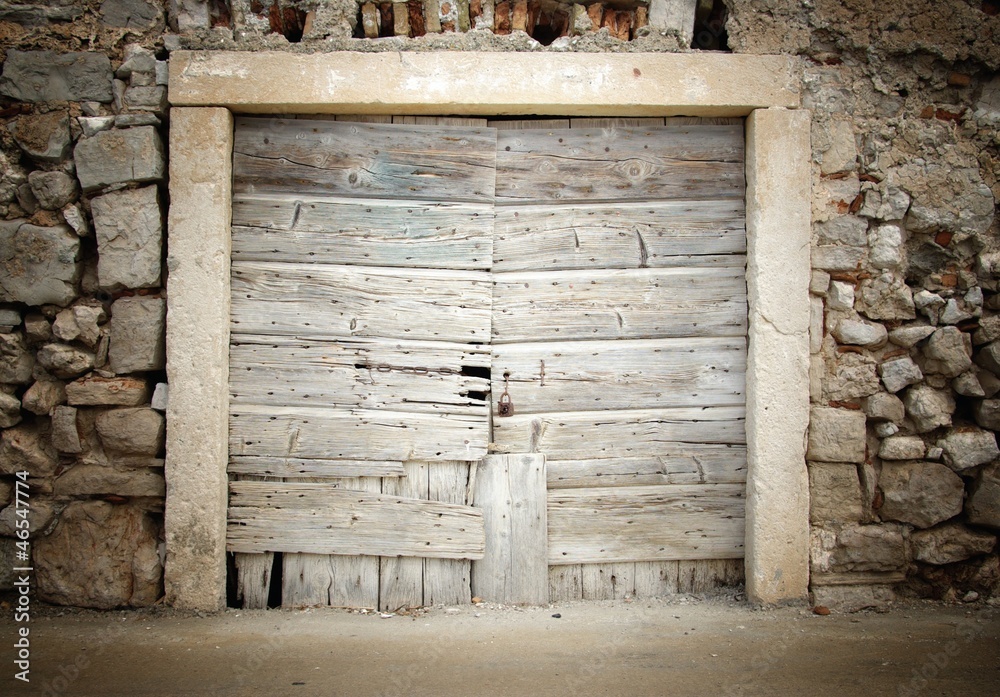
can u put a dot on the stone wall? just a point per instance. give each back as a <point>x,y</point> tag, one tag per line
<point>903,459</point>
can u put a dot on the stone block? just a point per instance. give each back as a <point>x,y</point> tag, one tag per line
<point>983,505</point>
<point>969,447</point>
<point>948,352</point>
<point>138,431</point>
<point>840,297</point>
<point>38,265</point>
<point>922,494</point>
<point>16,361</point>
<point>908,337</point>
<point>834,493</point>
<point>138,329</point>
<point>9,320</point>
<point>858,548</point>
<point>64,361</point>
<point>79,323</point>
<point>989,357</point>
<point>92,125</point>
<point>850,376</point>
<point>885,297</point>
<point>884,407</point>
<point>36,13</point>
<point>161,396</point>
<point>842,155</point>
<point>847,230</point>
<point>138,15</point>
<point>98,480</point>
<point>189,15</point>
<point>950,543</point>
<point>10,410</point>
<point>65,434</point>
<point>27,447</point>
<point>929,408</point>
<point>968,385</point>
<point>47,76</point>
<point>899,373</point>
<point>129,238</point>
<point>853,598</point>
<point>837,258</point>
<point>43,137</point>
<point>836,435</point>
<point>44,396</point>
<point>987,413</point>
<point>902,448</point>
<point>819,282</point>
<point>76,219</point>
<point>101,556</point>
<point>37,328</point>
<point>40,520</point>
<point>860,333</point>
<point>885,244</point>
<point>99,391</point>
<point>120,156</point>
<point>53,190</point>
<point>147,97</point>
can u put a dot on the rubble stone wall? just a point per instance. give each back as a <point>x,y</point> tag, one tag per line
<point>904,467</point>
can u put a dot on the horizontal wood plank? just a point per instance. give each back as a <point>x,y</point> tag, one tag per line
<point>363,160</point>
<point>326,301</point>
<point>292,467</point>
<point>322,519</point>
<point>610,434</point>
<point>613,164</point>
<point>675,463</point>
<point>358,434</point>
<point>621,236</point>
<point>632,374</point>
<point>293,228</point>
<point>646,523</point>
<point>619,304</point>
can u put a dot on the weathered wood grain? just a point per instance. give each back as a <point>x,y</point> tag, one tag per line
<point>625,235</point>
<point>703,575</point>
<point>441,121</point>
<point>356,577</point>
<point>616,123</point>
<point>368,374</point>
<point>619,304</point>
<point>305,580</point>
<point>363,160</point>
<point>286,432</point>
<point>510,491</point>
<point>295,468</point>
<point>674,463</point>
<point>565,583</point>
<point>401,578</point>
<point>528,124</point>
<point>447,581</point>
<point>646,523</point>
<point>655,579</point>
<point>326,301</point>
<point>631,374</point>
<point>611,164</point>
<point>324,519</point>
<point>315,229</point>
<point>612,434</point>
<point>253,579</point>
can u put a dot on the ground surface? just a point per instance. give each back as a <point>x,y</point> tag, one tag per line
<point>679,647</point>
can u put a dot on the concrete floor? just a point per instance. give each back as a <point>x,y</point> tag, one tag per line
<point>689,647</point>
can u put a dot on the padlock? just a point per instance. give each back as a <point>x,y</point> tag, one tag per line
<point>505,407</point>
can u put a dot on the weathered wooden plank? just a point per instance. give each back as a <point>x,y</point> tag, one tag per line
<point>655,579</point>
<point>675,463</point>
<point>529,124</point>
<point>633,433</point>
<point>356,578</point>
<point>510,490</point>
<point>597,583</point>
<point>326,301</point>
<point>253,579</point>
<point>619,304</point>
<point>616,123</point>
<point>292,228</point>
<point>363,160</point>
<point>441,121</point>
<point>625,235</point>
<point>305,580</point>
<point>703,575</point>
<point>611,164</point>
<point>565,583</point>
<point>368,375</point>
<point>359,434</point>
<point>647,523</point>
<point>294,468</point>
<point>324,519</point>
<point>632,374</point>
<point>364,118</point>
<point>401,579</point>
<point>447,581</point>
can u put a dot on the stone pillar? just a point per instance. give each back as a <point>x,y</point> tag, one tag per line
<point>778,272</point>
<point>198,258</point>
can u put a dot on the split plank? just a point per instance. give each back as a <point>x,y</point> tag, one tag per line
<point>674,463</point>
<point>319,518</point>
<point>447,581</point>
<point>634,434</point>
<point>401,578</point>
<point>613,164</point>
<point>625,235</point>
<point>305,580</point>
<point>565,583</point>
<point>630,374</point>
<point>510,490</point>
<point>253,579</point>
<point>293,228</point>
<point>356,577</point>
<point>270,431</point>
<point>326,301</point>
<point>529,124</point>
<point>294,468</point>
<point>363,159</point>
<point>619,304</point>
<point>655,579</point>
<point>646,523</point>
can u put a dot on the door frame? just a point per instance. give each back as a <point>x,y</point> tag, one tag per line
<point>206,88</point>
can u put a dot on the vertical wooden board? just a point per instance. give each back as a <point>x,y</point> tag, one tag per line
<point>655,579</point>
<point>703,575</point>
<point>510,489</point>
<point>565,583</point>
<point>355,578</point>
<point>597,581</point>
<point>440,121</point>
<point>401,579</point>
<point>305,580</point>
<point>623,580</point>
<point>253,579</point>
<point>447,581</point>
